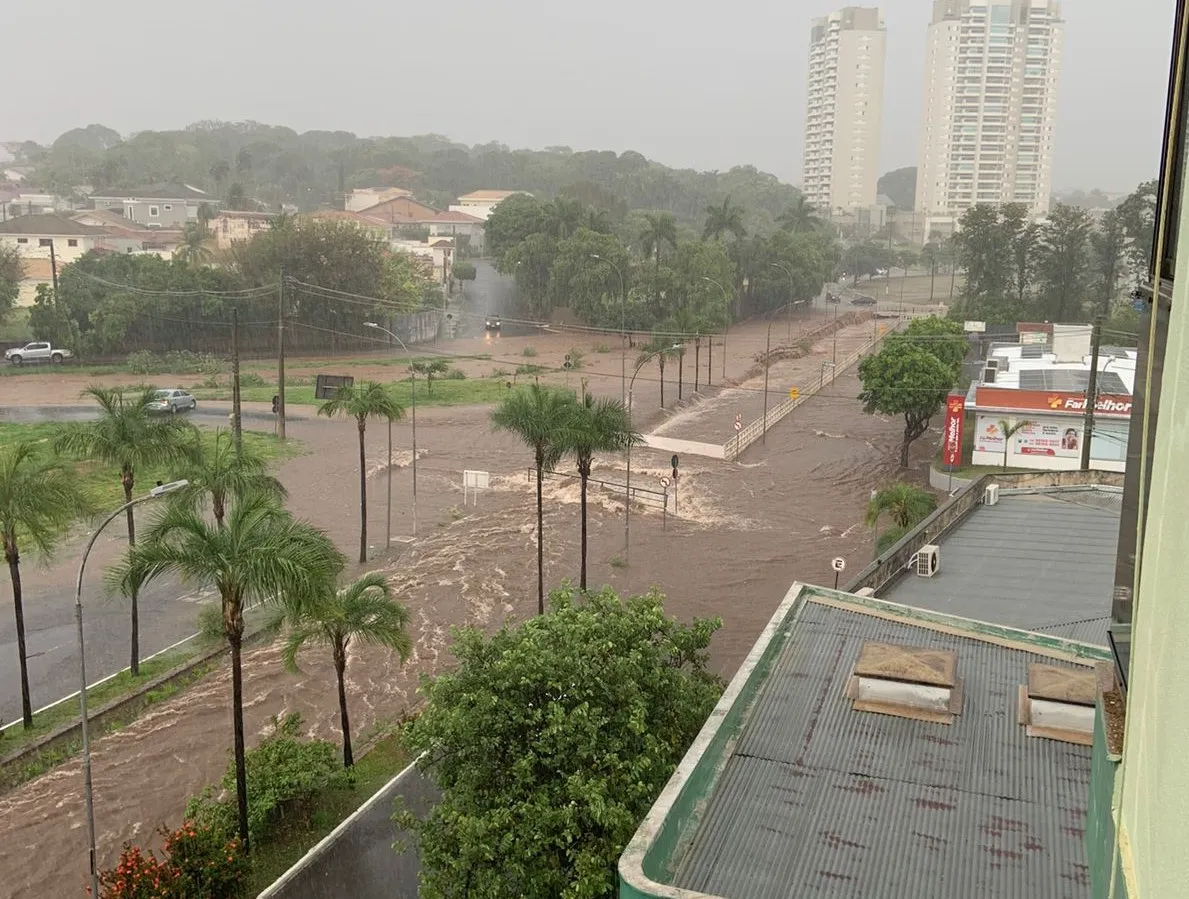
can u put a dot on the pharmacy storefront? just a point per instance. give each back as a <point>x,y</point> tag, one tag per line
<point>1047,429</point>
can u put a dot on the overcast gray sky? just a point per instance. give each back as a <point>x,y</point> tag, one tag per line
<point>691,83</point>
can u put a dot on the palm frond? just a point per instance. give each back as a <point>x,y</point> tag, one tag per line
<point>39,498</point>
<point>362,401</point>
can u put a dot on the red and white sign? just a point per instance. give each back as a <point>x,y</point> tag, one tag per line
<point>1006,399</point>
<point>955,408</point>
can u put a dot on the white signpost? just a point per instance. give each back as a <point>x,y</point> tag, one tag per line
<point>472,483</point>
<point>839,565</point>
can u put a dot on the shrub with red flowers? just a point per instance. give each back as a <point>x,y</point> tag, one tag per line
<point>199,862</point>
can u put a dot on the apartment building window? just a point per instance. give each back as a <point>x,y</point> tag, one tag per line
<point>71,242</point>
<point>154,212</point>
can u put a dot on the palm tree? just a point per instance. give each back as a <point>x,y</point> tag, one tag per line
<point>219,170</point>
<point>361,402</point>
<point>659,229</point>
<point>363,612</point>
<point>597,426</point>
<point>906,505</point>
<point>236,200</point>
<point>724,219</point>
<point>663,348</point>
<point>687,324</point>
<point>128,437</point>
<point>542,417</point>
<point>1007,430</point>
<point>218,471</point>
<point>801,216</point>
<point>39,499</point>
<point>193,249</point>
<point>261,554</point>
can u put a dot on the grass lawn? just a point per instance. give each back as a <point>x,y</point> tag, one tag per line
<point>445,392</point>
<point>284,846</point>
<point>104,480</point>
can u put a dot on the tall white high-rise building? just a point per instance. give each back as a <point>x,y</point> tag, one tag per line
<point>845,110</point>
<point>991,69</point>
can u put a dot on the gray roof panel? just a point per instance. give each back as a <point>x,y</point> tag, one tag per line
<point>820,800</point>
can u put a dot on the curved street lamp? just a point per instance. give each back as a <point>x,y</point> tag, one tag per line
<point>623,302</point>
<point>413,391</point>
<point>88,791</point>
<point>627,505</point>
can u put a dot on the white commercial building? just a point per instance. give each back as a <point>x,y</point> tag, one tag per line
<point>991,72</point>
<point>845,109</point>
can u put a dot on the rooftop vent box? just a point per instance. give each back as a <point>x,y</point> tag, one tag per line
<point>865,591</point>
<point>928,560</point>
<point>1058,703</point>
<point>991,495</point>
<point>906,681</point>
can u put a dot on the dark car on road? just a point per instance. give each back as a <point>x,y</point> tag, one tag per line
<point>492,323</point>
<point>863,301</point>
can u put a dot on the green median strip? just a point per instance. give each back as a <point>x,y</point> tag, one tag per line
<point>445,392</point>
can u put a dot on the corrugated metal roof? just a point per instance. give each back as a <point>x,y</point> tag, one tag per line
<point>1031,561</point>
<point>819,800</point>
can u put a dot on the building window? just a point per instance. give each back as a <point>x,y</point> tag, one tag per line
<point>71,242</point>
<point>168,208</point>
<point>154,212</point>
<point>45,242</point>
<point>22,240</point>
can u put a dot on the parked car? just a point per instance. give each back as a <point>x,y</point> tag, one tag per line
<point>862,300</point>
<point>38,351</point>
<point>172,401</point>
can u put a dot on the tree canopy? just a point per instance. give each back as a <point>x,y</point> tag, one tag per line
<point>551,740</point>
<point>903,379</point>
<point>12,270</point>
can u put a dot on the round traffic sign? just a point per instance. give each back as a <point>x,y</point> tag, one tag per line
<point>794,393</point>
<point>665,482</point>
<point>738,425</point>
<point>838,563</point>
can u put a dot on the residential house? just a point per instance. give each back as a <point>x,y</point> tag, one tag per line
<point>31,202</point>
<point>45,241</point>
<point>126,236</point>
<point>481,203</point>
<point>374,226</point>
<point>361,199</point>
<point>169,205</point>
<point>403,210</point>
<point>437,252</point>
<point>457,225</point>
<point>230,227</point>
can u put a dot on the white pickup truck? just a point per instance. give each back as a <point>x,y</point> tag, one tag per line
<point>38,351</point>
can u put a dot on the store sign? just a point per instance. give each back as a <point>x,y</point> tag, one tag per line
<point>955,409</point>
<point>1023,401</point>
<point>1045,436</point>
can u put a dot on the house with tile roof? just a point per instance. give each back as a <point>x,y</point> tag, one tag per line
<point>166,205</point>
<point>481,203</point>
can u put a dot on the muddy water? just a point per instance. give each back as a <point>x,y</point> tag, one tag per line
<point>740,534</point>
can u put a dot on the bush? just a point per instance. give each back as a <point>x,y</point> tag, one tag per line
<point>529,352</point>
<point>529,369</point>
<point>500,373</point>
<point>199,861</point>
<point>251,379</point>
<point>602,348</point>
<point>576,356</point>
<point>144,362</point>
<point>188,363</point>
<point>455,374</point>
<point>283,771</point>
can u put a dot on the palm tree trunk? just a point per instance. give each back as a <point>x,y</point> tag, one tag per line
<point>583,476</point>
<point>697,360</point>
<point>235,639</point>
<point>128,480</point>
<point>14,570</point>
<point>362,495</point>
<point>661,364</point>
<point>540,538</point>
<point>340,669</point>
<point>680,373</point>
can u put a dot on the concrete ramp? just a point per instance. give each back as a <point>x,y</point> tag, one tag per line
<point>688,447</point>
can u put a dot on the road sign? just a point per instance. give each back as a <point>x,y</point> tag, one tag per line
<point>794,393</point>
<point>674,461</point>
<point>838,564</point>
<point>738,425</point>
<point>665,482</point>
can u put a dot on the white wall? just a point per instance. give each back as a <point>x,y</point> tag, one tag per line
<point>1041,445</point>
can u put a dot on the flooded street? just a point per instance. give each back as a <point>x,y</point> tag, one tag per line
<point>741,533</point>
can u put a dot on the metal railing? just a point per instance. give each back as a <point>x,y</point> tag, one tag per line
<point>658,499</point>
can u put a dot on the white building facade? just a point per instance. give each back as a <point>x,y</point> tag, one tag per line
<point>844,114</point>
<point>991,73</point>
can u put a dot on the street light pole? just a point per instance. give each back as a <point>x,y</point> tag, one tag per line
<point>623,336</point>
<point>413,391</point>
<point>726,305</point>
<point>88,792</point>
<point>627,504</point>
<point>792,289</point>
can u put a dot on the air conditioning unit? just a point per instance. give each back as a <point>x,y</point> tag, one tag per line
<point>928,560</point>
<point>865,591</point>
<point>991,495</point>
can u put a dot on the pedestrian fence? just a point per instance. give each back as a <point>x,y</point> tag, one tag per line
<point>646,496</point>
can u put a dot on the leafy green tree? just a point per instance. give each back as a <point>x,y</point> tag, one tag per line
<point>430,369</point>
<point>984,248</point>
<point>902,379</point>
<point>906,505</point>
<point>127,437</point>
<point>542,417</point>
<point>237,199</point>
<point>900,185</point>
<point>39,500</point>
<point>1137,213</point>
<point>663,349</point>
<point>219,171</point>
<point>193,249</point>
<point>597,426</point>
<point>531,263</point>
<point>1108,245</point>
<point>511,223</point>
<point>801,216</point>
<point>1007,430</point>
<point>659,230</point>
<point>722,219</point>
<point>864,259</point>
<point>362,612</point>
<point>464,271</point>
<point>262,554</point>
<point>589,287</point>
<point>216,471</point>
<point>551,740</point>
<point>939,337</point>
<point>1065,262</point>
<point>362,401</point>
<point>12,272</point>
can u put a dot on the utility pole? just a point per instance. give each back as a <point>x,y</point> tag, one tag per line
<point>237,422</point>
<point>54,266</point>
<point>1091,392</point>
<point>281,357</point>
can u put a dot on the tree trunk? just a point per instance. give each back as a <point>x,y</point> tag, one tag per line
<point>680,373</point>
<point>904,445</point>
<point>697,360</point>
<point>540,537</point>
<point>235,639</point>
<point>340,669</point>
<point>583,475</point>
<point>14,570</point>
<point>661,363</point>
<point>127,478</point>
<point>362,495</point>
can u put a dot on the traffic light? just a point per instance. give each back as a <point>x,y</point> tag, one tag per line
<point>276,404</point>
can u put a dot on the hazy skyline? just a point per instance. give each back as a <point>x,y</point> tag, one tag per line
<point>687,85</point>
